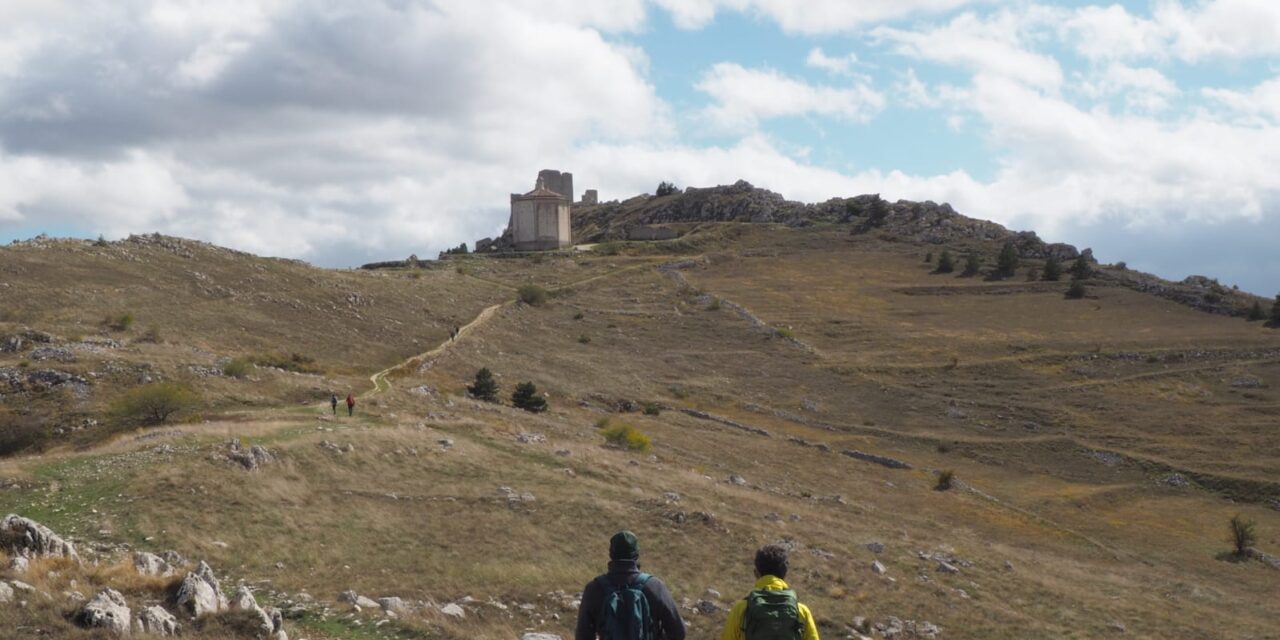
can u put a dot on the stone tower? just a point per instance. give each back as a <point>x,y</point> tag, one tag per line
<point>540,218</point>
<point>559,182</point>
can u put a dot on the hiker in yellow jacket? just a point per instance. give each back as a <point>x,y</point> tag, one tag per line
<point>771,611</point>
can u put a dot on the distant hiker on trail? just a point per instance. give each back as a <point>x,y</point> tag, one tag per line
<point>625,604</point>
<point>456,331</point>
<point>351,404</point>
<point>333,403</point>
<point>771,610</point>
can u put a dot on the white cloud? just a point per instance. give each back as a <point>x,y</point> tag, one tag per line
<point>745,97</point>
<point>807,16</point>
<point>994,45</point>
<point>1143,89</point>
<point>1212,28</point>
<point>1260,104</point>
<point>838,65</point>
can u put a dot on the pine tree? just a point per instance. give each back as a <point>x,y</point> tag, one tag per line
<point>1275,313</point>
<point>1007,263</point>
<point>526,397</point>
<point>1256,313</point>
<point>1052,270</point>
<point>666,189</point>
<point>945,265</point>
<point>1076,290</point>
<point>1081,269</point>
<point>928,257</point>
<point>971,264</point>
<point>485,387</point>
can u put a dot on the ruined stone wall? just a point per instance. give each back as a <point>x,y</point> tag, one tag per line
<point>590,196</point>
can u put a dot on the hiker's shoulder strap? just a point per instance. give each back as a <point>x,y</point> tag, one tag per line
<point>642,579</point>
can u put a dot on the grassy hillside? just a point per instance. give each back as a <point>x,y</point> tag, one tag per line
<point>1099,445</point>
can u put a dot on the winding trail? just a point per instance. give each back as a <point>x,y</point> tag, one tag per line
<point>379,379</point>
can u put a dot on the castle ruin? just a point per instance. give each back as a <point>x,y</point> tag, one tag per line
<point>540,218</point>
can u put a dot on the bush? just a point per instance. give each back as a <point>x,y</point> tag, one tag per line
<point>236,368</point>
<point>971,264</point>
<point>100,242</point>
<point>611,248</point>
<point>532,294</point>
<point>928,257</point>
<point>667,189</point>
<point>460,250</point>
<point>1007,262</point>
<point>584,339</point>
<point>624,436</point>
<point>785,332</point>
<point>152,335</point>
<point>714,305</point>
<point>1122,265</point>
<point>1052,270</point>
<point>652,409</point>
<point>120,322</point>
<point>526,397</point>
<point>155,403</point>
<point>1242,535</point>
<point>1256,313</point>
<point>1080,269</point>
<point>1275,313</point>
<point>579,315</point>
<point>946,479</point>
<point>1076,291</point>
<point>295,362</point>
<point>877,213</point>
<point>945,263</point>
<point>485,387</point>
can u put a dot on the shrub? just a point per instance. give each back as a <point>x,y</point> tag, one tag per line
<point>652,409</point>
<point>928,257</point>
<point>1080,269</point>
<point>714,305</point>
<point>152,335</point>
<point>971,264</point>
<point>1033,274</point>
<point>154,403</point>
<point>584,339</point>
<point>236,368</point>
<point>1242,535</point>
<point>611,248</point>
<point>785,332</point>
<point>485,387</point>
<point>296,362</point>
<point>1052,270</point>
<point>23,364</point>
<point>100,242</point>
<point>1122,265</point>
<point>1256,313</point>
<point>1275,313</point>
<point>624,436</point>
<point>532,294</point>
<point>120,322</point>
<point>946,479</point>
<point>945,263</point>
<point>667,189</point>
<point>579,315</point>
<point>1007,261</point>
<point>460,250</point>
<point>526,397</point>
<point>1076,290</point>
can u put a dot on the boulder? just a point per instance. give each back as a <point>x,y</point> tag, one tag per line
<point>157,622</point>
<point>6,592</point>
<point>878,568</point>
<point>453,611</point>
<point>252,458</point>
<point>108,610</point>
<point>540,636</point>
<point>28,538</point>
<point>18,565</point>
<point>392,603</point>
<point>200,593</point>
<point>242,599</point>
<point>150,564</point>
<point>946,567</point>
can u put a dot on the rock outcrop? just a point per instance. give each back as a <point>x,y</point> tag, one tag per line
<point>200,593</point>
<point>157,622</point>
<point>150,564</point>
<point>27,538</point>
<point>108,610</point>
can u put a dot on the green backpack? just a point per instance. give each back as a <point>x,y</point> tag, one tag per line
<point>626,610</point>
<point>772,615</point>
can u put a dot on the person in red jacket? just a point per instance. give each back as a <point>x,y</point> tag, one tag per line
<point>351,403</point>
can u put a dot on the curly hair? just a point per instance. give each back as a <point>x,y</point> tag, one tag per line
<point>771,560</point>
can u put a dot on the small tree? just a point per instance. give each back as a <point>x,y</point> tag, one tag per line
<point>236,368</point>
<point>155,403</point>
<point>1256,313</point>
<point>532,294</point>
<point>485,387</point>
<point>1275,313</point>
<point>1007,262</point>
<point>971,264</point>
<point>100,242</point>
<point>1076,290</point>
<point>1033,274</point>
<point>666,189</point>
<point>945,264</point>
<point>1052,270</point>
<point>946,479</point>
<point>928,257</point>
<point>120,322</point>
<point>526,397</point>
<point>1242,535</point>
<point>1080,269</point>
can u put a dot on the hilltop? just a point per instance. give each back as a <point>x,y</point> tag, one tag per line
<point>803,376</point>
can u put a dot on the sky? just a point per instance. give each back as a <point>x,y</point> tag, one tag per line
<point>347,132</point>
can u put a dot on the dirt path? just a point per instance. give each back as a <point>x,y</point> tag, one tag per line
<point>379,379</point>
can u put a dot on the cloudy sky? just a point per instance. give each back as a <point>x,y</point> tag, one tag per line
<point>342,132</point>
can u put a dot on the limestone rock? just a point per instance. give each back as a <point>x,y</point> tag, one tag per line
<point>737,480</point>
<point>875,547</point>
<point>252,458</point>
<point>150,564</point>
<point>540,636</point>
<point>242,599</point>
<point>200,593</point>
<point>453,611</point>
<point>108,610</point>
<point>6,592</point>
<point>878,568</point>
<point>392,603</point>
<point>947,567</point>
<point>18,565</point>
<point>158,622</point>
<point>29,538</point>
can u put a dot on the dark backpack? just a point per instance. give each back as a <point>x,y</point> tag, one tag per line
<point>626,610</point>
<point>772,615</point>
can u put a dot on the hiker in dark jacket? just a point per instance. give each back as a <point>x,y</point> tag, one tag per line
<point>333,403</point>
<point>624,570</point>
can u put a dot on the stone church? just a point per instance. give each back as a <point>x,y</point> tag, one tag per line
<point>540,218</point>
